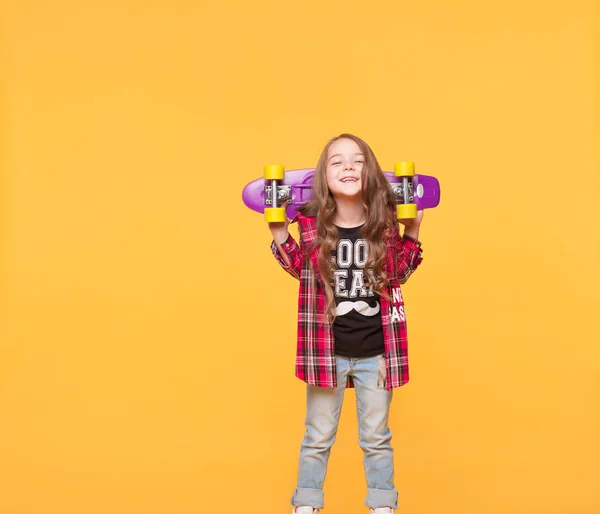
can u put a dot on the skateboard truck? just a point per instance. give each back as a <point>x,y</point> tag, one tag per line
<point>405,208</point>
<point>275,214</point>
<point>283,194</point>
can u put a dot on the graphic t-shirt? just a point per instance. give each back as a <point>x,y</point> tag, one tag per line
<point>357,327</point>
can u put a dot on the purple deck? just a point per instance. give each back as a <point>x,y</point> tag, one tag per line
<point>427,190</point>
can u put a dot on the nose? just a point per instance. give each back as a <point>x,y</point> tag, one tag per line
<point>349,166</point>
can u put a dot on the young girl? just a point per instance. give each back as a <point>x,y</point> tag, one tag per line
<point>350,261</point>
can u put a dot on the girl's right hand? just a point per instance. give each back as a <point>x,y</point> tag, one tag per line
<point>280,230</point>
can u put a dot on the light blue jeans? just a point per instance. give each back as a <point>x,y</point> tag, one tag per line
<point>323,407</point>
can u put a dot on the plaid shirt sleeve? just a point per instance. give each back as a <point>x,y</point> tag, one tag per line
<point>407,256</point>
<point>294,253</point>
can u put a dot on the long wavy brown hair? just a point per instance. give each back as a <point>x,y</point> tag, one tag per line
<point>378,201</point>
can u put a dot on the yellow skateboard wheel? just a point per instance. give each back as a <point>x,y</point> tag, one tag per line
<point>275,215</point>
<point>274,172</point>
<point>404,169</point>
<point>406,211</point>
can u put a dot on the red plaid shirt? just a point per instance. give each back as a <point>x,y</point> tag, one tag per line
<point>315,357</point>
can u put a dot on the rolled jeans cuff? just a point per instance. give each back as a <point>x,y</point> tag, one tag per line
<point>382,498</point>
<point>305,497</point>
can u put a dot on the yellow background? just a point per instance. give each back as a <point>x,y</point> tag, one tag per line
<point>148,336</point>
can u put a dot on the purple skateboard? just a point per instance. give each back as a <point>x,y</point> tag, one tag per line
<point>296,189</point>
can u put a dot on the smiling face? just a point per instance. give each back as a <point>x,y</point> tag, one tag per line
<point>344,172</point>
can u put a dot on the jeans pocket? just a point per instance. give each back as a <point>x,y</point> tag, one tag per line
<point>381,373</point>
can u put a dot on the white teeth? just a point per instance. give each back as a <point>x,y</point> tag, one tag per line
<point>349,179</point>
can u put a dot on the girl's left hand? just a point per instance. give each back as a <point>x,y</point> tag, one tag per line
<point>412,223</point>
